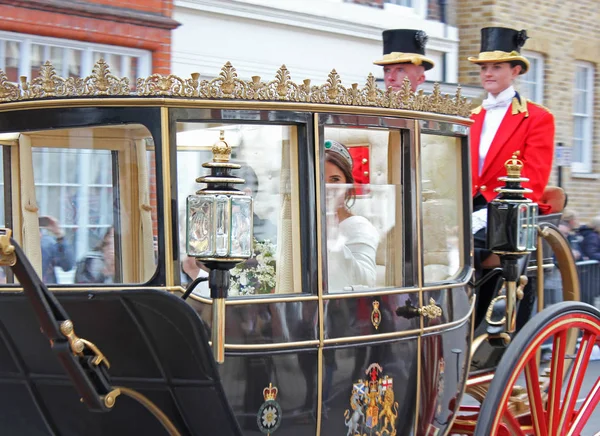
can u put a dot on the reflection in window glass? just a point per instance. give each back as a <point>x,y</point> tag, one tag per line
<point>83,213</point>
<point>442,206</point>
<point>274,266</point>
<point>364,209</point>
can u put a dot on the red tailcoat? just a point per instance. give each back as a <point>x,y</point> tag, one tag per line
<point>526,130</point>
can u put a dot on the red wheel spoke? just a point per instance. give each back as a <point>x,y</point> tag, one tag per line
<point>536,405</point>
<point>577,374</point>
<point>588,406</point>
<point>513,423</point>
<point>557,364</point>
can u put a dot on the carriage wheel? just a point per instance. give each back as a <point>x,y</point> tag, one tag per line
<point>540,407</point>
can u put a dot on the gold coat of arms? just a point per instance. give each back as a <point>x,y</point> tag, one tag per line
<point>373,409</point>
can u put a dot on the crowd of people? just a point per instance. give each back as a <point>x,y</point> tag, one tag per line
<point>97,266</point>
<point>584,239</point>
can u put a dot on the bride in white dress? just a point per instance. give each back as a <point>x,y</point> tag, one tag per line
<point>351,240</point>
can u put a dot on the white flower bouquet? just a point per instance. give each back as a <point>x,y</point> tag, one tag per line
<point>257,274</point>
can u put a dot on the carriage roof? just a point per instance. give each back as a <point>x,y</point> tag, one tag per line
<point>48,88</point>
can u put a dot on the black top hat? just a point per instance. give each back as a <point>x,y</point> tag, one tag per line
<point>501,44</point>
<point>404,46</point>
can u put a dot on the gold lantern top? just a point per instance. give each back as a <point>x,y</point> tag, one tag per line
<point>514,167</point>
<point>221,149</point>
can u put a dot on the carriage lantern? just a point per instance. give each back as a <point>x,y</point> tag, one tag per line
<point>512,232</point>
<point>219,232</point>
<point>511,216</point>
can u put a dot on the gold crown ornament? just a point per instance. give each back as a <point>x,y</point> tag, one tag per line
<point>221,149</point>
<point>514,167</point>
<point>270,393</point>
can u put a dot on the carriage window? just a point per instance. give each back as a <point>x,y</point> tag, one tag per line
<point>364,208</point>
<point>442,206</point>
<point>268,155</point>
<point>87,204</point>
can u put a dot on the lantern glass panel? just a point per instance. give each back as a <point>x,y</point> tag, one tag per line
<point>200,225</point>
<point>222,221</point>
<point>241,226</point>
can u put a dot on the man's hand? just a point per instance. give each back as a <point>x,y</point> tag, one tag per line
<point>54,227</point>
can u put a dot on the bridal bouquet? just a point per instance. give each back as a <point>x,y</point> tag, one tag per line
<point>257,274</point>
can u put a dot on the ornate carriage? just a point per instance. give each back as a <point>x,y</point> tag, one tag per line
<point>298,353</point>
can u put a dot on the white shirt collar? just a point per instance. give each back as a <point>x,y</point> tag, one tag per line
<point>501,100</point>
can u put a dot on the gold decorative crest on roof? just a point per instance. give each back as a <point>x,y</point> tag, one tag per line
<point>8,90</point>
<point>230,87</point>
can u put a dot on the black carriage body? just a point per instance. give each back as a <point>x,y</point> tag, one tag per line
<point>318,348</point>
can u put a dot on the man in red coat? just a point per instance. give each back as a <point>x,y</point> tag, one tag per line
<point>506,124</point>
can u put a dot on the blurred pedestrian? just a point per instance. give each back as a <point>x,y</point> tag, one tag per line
<point>590,242</point>
<point>98,266</point>
<point>56,252</point>
<point>569,226</point>
<point>404,56</point>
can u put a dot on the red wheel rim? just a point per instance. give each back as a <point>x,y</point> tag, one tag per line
<point>551,412</point>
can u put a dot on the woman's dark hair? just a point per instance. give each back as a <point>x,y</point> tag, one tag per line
<point>339,161</point>
<point>105,240</point>
<point>519,63</point>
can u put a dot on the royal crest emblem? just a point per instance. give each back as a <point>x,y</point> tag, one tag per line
<point>376,315</point>
<point>373,409</point>
<point>269,414</point>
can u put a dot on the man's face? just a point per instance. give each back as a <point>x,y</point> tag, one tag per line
<point>393,75</point>
<point>496,77</point>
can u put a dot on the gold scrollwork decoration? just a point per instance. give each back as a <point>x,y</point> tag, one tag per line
<point>431,310</point>
<point>227,85</point>
<point>8,90</point>
<point>170,85</point>
<point>102,82</point>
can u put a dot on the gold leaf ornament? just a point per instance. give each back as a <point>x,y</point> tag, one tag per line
<point>227,85</point>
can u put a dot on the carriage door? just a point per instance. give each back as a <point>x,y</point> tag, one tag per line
<point>270,373</point>
<point>80,202</point>
<point>370,268</point>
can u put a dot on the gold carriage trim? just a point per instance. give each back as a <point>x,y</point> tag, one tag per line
<point>228,86</point>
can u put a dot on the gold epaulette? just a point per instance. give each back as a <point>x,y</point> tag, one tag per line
<point>519,106</point>
<point>539,105</point>
<point>477,110</point>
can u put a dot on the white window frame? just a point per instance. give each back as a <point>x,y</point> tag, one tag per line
<point>418,8</point>
<point>586,165</point>
<point>538,75</point>
<point>144,66</point>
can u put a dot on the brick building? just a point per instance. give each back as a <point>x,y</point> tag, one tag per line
<point>564,50</point>
<point>134,37</point>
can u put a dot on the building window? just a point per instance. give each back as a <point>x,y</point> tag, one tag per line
<point>407,3</point>
<point>583,117</point>
<point>532,82</point>
<point>23,55</point>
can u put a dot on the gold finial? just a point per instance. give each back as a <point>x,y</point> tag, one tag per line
<point>513,167</point>
<point>221,150</point>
